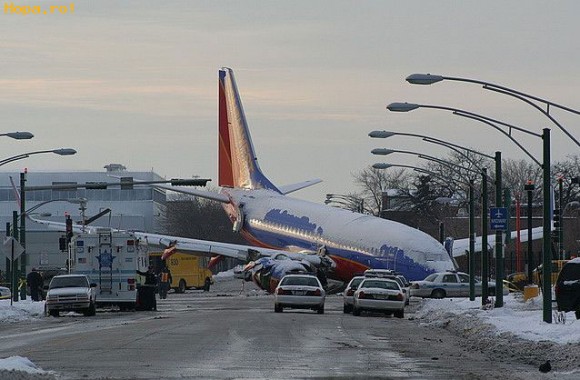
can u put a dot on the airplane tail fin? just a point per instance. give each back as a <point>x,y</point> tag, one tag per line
<point>238,164</point>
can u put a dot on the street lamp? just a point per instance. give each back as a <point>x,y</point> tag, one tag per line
<point>427,79</point>
<point>457,148</point>
<point>22,237</point>
<point>406,107</point>
<point>60,152</point>
<point>545,136</point>
<point>18,135</point>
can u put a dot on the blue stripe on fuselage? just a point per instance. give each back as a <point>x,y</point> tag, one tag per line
<point>391,257</point>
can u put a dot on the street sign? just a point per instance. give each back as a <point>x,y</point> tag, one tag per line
<point>18,249</point>
<point>498,218</point>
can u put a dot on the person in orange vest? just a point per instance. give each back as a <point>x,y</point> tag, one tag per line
<point>164,282</point>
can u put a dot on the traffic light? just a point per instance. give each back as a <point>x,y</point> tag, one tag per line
<point>62,242</point>
<point>556,218</point>
<point>69,228</point>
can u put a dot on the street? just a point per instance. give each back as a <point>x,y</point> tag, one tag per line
<point>227,333</point>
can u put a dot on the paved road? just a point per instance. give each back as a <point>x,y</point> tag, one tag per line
<point>223,334</point>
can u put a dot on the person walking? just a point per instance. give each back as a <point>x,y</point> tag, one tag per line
<point>165,280</point>
<point>35,282</point>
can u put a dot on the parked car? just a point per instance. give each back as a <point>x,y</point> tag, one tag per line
<point>299,291</point>
<point>388,273</point>
<point>70,292</point>
<point>5,293</point>
<point>379,294</point>
<point>348,294</point>
<point>448,284</point>
<point>567,287</point>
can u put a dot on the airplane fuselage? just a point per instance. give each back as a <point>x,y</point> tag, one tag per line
<point>354,241</point>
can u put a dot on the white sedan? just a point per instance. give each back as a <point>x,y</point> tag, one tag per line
<point>299,291</point>
<point>379,294</point>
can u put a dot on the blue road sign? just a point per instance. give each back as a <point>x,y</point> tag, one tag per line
<point>498,218</point>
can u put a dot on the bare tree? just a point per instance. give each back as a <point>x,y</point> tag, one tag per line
<point>199,218</point>
<point>373,182</point>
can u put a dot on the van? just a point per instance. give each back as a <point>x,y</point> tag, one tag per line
<point>187,271</point>
<point>567,287</point>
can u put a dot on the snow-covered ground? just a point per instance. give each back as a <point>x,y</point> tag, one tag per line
<point>515,331</point>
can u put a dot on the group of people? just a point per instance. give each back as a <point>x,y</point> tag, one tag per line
<point>163,280</point>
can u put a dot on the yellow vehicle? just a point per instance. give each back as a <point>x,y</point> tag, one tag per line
<point>187,271</point>
<point>556,268</point>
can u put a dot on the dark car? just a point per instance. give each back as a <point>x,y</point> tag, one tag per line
<point>567,287</point>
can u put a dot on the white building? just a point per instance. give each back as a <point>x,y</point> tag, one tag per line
<point>140,208</point>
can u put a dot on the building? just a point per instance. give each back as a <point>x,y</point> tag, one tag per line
<point>139,207</point>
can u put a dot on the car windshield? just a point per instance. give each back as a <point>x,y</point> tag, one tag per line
<point>379,284</point>
<point>68,282</point>
<point>304,281</point>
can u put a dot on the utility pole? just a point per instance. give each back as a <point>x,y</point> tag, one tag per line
<point>23,257</point>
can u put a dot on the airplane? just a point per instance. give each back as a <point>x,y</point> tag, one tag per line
<point>289,234</point>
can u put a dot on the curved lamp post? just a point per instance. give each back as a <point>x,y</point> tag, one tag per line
<point>406,107</point>
<point>60,152</point>
<point>427,79</point>
<point>455,147</point>
<point>545,136</point>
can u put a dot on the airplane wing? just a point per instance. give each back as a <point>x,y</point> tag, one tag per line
<point>198,193</point>
<point>196,246</point>
<point>461,246</point>
<point>287,189</point>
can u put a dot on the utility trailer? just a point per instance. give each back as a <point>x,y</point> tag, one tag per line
<point>110,259</point>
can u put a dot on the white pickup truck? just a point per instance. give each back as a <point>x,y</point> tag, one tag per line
<point>70,292</point>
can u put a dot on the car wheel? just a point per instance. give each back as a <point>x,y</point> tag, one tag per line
<point>278,308</point>
<point>320,310</point>
<point>438,293</point>
<point>53,313</point>
<point>400,313</point>
<point>356,311</point>
<point>206,285</point>
<point>181,286</point>
<point>347,309</point>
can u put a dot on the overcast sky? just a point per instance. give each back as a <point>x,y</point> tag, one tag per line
<point>135,82</point>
